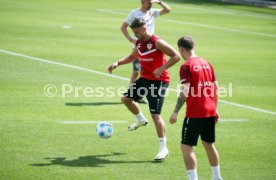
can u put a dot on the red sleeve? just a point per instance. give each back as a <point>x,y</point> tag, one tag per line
<point>185,75</point>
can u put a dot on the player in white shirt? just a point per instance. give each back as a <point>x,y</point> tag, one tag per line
<point>148,14</point>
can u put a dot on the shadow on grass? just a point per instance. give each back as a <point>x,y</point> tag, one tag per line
<point>92,103</point>
<point>87,161</point>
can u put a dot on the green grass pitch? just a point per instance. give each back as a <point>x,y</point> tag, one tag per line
<point>239,41</point>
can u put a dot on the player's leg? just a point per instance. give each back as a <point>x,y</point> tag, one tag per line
<point>130,99</point>
<point>156,96</point>
<point>208,141</point>
<point>189,158</point>
<point>190,132</point>
<point>213,157</point>
<point>159,125</point>
<point>212,153</point>
<point>161,133</point>
<point>132,106</point>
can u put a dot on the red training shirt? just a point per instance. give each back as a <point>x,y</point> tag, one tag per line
<point>150,59</point>
<point>201,98</point>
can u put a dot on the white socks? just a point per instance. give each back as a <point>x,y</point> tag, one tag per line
<point>216,173</point>
<point>192,174</point>
<point>163,142</point>
<point>140,117</point>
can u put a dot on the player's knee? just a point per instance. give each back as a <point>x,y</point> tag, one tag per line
<point>156,117</point>
<point>123,99</point>
<point>135,73</point>
<point>208,146</point>
<point>186,149</point>
<point>126,100</point>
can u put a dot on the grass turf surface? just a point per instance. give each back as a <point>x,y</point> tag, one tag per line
<point>238,40</point>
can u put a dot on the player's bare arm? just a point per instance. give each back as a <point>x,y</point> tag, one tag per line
<point>216,99</point>
<point>169,51</point>
<point>126,34</point>
<point>125,60</point>
<point>165,7</point>
<point>184,91</point>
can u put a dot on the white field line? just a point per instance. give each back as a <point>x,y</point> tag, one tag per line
<point>207,10</point>
<point>240,105</point>
<point>91,122</point>
<point>112,11</point>
<point>66,27</point>
<point>121,78</point>
<point>233,120</point>
<point>227,11</point>
<point>198,24</point>
<point>63,64</point>
<point>218,28</point>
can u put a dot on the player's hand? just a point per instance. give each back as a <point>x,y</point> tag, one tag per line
<point>156,1</point>
<point>133,40</point>
<point>217,117</point>
<point>158,72</point>
<point>173,118</point>
<point>112,67</point>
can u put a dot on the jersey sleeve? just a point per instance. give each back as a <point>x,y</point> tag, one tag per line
<point>184,73</point>
<point>156,12</point>
<point>130,18</point>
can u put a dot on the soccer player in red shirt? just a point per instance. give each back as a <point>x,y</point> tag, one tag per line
<point>153,82</point>
<point>199,90</point>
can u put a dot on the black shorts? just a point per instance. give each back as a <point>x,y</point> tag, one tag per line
<point>193,127</point>
<point>154,91</point>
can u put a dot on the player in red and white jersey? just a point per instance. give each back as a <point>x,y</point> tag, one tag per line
<point>151,52</point>
<point>149,14</point>
<point>199,91</point>
<point>151,59</point>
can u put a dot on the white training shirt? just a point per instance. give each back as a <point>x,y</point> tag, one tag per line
<point>149,17</point>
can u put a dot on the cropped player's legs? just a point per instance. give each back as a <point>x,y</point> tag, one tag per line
<point>208,141</point>
<point>161,133</point>
<point>189,161</point>
<point>130,99</point>
<point>132,106</point>
<point>190,132</point>
<point>213,157</point>
<point>159,125</point>
<point>156,100</point>
<point>212,153</point>
<point>188,156</point>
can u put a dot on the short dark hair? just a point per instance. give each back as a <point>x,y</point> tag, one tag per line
<point>186,42</point>
<point>137,23</point>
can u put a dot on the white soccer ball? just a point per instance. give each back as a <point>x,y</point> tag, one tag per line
<point>104,129</point>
